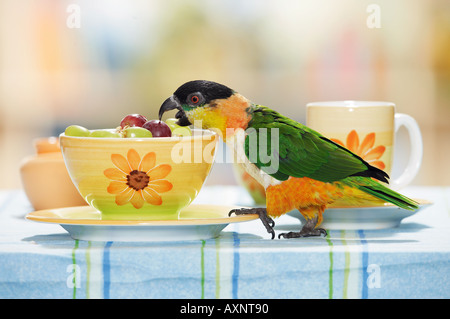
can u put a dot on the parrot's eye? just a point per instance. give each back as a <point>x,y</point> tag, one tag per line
<point>195,99</point>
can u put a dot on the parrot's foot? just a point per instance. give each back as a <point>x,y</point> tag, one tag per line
<point>261,212</point>
<point>308,230</point>
<point>302,233</point>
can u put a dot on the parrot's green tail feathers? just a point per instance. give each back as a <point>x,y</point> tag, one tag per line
<point>389,195</point>
<point>382,192</point>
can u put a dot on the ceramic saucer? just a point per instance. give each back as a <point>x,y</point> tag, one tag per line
<point>196,222</point>
<point>367,217</point>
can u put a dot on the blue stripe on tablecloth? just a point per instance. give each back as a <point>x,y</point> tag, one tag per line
<point>235,276</point>
<point>365,264</point>
<point>106,270</point>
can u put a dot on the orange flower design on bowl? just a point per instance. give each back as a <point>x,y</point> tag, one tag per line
<point>137,181</point>
<point>366,149</point>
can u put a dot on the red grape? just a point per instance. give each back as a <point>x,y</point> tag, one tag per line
<point>158,128</point>
<point>133,120</point>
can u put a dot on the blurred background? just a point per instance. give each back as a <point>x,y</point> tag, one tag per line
<point>92,62</point>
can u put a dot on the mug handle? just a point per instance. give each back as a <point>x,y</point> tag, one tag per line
<point>416,147</point>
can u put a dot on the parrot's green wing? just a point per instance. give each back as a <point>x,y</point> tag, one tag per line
<point>300,151</point>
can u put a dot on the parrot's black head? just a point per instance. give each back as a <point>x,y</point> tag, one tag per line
<point>192,95</point>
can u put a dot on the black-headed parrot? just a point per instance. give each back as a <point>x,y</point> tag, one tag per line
<point>301,169</point>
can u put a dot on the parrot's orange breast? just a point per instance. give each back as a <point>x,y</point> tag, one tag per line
<point>297,193</point>
<point>235,111</point>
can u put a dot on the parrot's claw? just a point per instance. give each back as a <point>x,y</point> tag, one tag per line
<point>304,233</point>
<point>261,212</point>
<point>308,230</point>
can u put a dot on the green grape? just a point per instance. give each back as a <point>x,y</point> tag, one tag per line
<point>171,122</point>
<point>136,131</point>
<point>76,130</point>
<point>182,131</point>
<point>178,130</point>
<point>104,133</point>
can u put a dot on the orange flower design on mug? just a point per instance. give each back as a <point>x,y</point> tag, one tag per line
<point>137,181</point>
<point>366,149</point>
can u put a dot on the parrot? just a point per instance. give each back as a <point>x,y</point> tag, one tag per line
<point>311,170</point>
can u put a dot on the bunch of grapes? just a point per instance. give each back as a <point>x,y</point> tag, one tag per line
<point>134,125</point>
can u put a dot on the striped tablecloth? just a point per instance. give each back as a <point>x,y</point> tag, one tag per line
<point>412,261</point>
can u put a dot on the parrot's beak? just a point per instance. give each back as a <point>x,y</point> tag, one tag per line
<point>172,103</point>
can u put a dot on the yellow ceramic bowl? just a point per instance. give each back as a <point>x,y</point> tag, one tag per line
<point>139,178</point>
